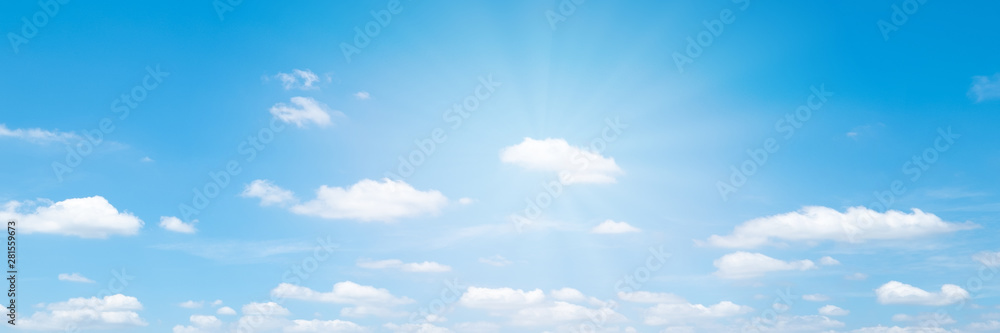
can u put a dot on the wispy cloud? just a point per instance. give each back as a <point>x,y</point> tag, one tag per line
<point>985,88</point>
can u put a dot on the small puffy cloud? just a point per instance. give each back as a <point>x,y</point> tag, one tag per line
<point>91,217</point>
<point>833,310</point>
<point>417,267</point>
<point>500,298</point>
<point>37,135</point>
<point>465,201</point>
<point>225,310</point>
<point>111,312</point>
<point>146,159</point>
<point>367,300</point>
<point>217,302</point>
<point>612,227</point>
<point>828,261</point>
<point>362,95</point>
<point>75,277</point>
<point>174,224</point>
<point>650,297</point>
<point>856,277</point>
<point>857,224</point>
<point>192,304</point>
<point>816,297</point>
<point>985,87</point>
<point>370,200</point>
<point>268,193</point>
<point>324,326</point>
<point>742,265</point>
<point>680,313</point>
<point>303,111</point>
<point>573,164</point>
<point>298,79</point>
<point>990,259</point>
<point>896,292</point>
<point>497,260</point>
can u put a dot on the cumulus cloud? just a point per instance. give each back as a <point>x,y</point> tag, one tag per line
<point>225,310</point>
<point>680,313</point>
<point>857,224</point>
<point>175,224</point>
<point>742,265</point>
<point>985,87</point>
<point>268,193</point>
<point>612,227</point>
<point>303,110</point>
<point>298,79</point>
<point>111,312</point>
<point>828,261</point>
<point>896,292</point>
<point>200,324</point>
<point>367,300</point>
<point>833,310</point>
<point>417,267</point>
<point>75,277</point>
<point>362,95</point>
<point>37,135</point>
<point>324,326</point>
<point>91,217</point>
<point>650,297</point>
<point>370,200</point>
<point>192,304</point>
<point>573,164</point>
<point>500,298</point>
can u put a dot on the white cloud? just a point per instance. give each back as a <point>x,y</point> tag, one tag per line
<point>417,267</point>
<point>857,277</point>
<point>679,313</point>
<point>37,135</point>
<point>937,318</point>
<point>985,87</point>
<point>568,295</point>
<point>416,328</point>
<point>857,224</point>
<point>305,110</point>
<point>465,201</point>
<point>612,227</point>
<point>742,265</point>
<point>833,310</point>
<point>650,297</point>
<point>146,159</point>
<point>896,292</point>
<point>497,260</point>
<point>75,277</point>
<point>500,298</point>
<point>225,310</point>
<point>298,79</point>
<point>897,329</point>
<point>828,261</point>
<point>573,164</point>
<point>110,312</point>
<point>324,326</point>
<point>794,324</point>
<point>370,200</point>
<point>91,217</point>
<point>558,312</point>
<point>990,259</point>
<point>200,324</point>
<point>362,95</point>
<point>217,302</point>
<point>367,300</point>
<point>268,193</point>
<point>176,225</point>
<point>192,304</point>
<point>815,297</point>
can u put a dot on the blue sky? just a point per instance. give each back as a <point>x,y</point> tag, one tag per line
<point>525,166</point>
